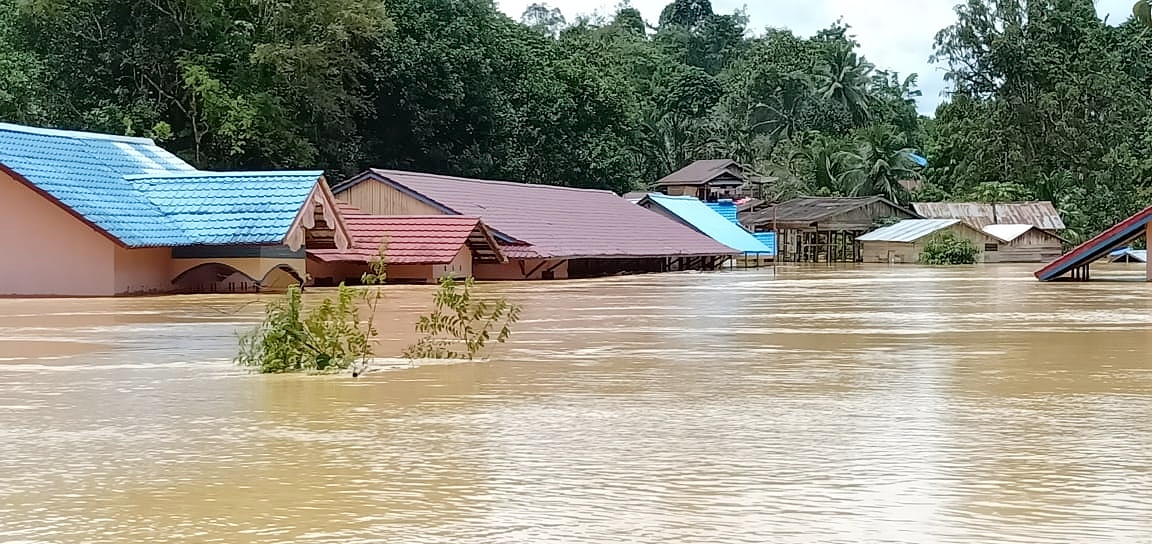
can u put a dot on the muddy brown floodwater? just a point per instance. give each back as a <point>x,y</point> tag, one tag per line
<point>904,405</point>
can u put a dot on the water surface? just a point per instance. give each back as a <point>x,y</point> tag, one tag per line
<point>873,404</point>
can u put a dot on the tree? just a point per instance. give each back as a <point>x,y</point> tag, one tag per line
<point>543,19</point>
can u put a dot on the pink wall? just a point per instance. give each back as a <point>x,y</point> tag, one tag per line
<point>145,270</point>
<point>511,270</point>
<point>1148,242</point>
<point>47,251</point>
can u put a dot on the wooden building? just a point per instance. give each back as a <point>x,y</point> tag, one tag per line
<point>903,242</point>
<point>819,229</point>
<point>1040,214</point>
<point>707,180</point>
<point>1022,244</point>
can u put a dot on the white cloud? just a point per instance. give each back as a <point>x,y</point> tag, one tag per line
<point>895,35</point>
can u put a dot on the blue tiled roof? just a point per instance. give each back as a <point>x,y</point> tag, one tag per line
<point>699,216</point>
<point>145,196</point>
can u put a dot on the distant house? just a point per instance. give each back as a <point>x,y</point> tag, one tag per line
<point>1128,255</point>
<point>703,218</point>
<point>99,215</point>
<point>544,231</point>
<point>707,180</point>
<point>416,249</point>
<point>1022,244</point>
<point>823,229</point>
<point>903,242</point>
<point>1040,214</point>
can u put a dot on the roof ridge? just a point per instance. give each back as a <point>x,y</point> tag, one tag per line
<point>74,134</point>
<point>385,171</point>
<point>211,173</point>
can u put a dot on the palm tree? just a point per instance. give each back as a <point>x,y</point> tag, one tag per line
<point>843,77</point>
<point>880,161</point>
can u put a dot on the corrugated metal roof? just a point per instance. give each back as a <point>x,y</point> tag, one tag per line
<point>426,239</point>
<point>546,221</point>
<point>807,210</point>
<point>1098,246</point>
<point>704,219</point>
<point>145,196</point>
<point>1007,233</point>
<point>908,230</point>
<point>1128,254</point>
<point>1040,214</point>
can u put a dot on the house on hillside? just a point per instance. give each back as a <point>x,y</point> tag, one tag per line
<point>1040,214</point>
<point>707,180</point>
<point>695,214</point>
<point>824,229</point>
<point>904,241</point>
<point>99,215</point>
<point>544,231</point>
<point>416,248</point>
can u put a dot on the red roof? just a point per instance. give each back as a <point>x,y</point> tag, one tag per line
<point>425,239</point>
<point>551,221</point>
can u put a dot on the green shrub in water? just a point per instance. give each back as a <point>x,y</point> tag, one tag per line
<point>461,325</point>
<point>330,338</point>
<point>947,249</point>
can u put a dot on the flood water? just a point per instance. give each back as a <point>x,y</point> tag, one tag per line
<point>879,404</point>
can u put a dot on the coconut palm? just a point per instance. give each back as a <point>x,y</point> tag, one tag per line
<point>844,77</point>
<point>880,161</point>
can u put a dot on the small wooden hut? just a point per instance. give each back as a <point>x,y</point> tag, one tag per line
<point>707,180</point>
<point>824,229</point>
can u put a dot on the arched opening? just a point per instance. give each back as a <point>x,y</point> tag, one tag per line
<point>280,278</point>
<point>214,278</point>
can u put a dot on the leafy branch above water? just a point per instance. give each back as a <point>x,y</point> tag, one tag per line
<point>333,337</point>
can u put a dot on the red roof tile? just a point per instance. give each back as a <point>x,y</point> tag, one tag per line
<point>554,221</point>
<point>426,239</point>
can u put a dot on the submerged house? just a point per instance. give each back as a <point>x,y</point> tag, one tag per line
<point>824,229</point>
<point>1040,214</point>
<point>96,215</point>
<point>544,231</point>
<point>707,180</point>
<point>904,241</point>
<point>706,220</point>
<point>416,248</point>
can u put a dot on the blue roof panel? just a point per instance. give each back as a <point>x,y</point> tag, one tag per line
<point>702,218</point>
<point>145,196</point>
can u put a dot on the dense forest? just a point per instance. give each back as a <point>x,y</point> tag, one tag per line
<point>1050,102</point>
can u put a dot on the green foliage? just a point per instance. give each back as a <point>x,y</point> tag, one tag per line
<point>327,338</point>
<point>946,249</point>
<point>461,325</point>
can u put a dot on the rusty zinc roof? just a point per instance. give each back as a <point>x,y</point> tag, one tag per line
<point>546,221</point>
<point>1040,214</point>
<point>701,172</point>
<point>803,211</point>
<point>424,239</point>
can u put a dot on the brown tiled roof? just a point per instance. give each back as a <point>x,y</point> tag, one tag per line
<point>545,221</point>
<point>424,239</point>
<point>701,172</point>
<point>1040,214</point>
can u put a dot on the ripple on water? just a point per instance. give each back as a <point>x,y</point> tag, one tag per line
<point>896,405</point>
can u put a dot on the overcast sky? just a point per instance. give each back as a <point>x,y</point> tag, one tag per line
<point>894,34</point>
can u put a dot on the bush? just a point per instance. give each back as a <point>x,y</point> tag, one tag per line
<point>329,338</point>
<point>947,249</point>
<point>460,326</point>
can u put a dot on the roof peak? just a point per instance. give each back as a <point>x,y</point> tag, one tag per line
<point>385,173</point>
<point>74,134</point>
